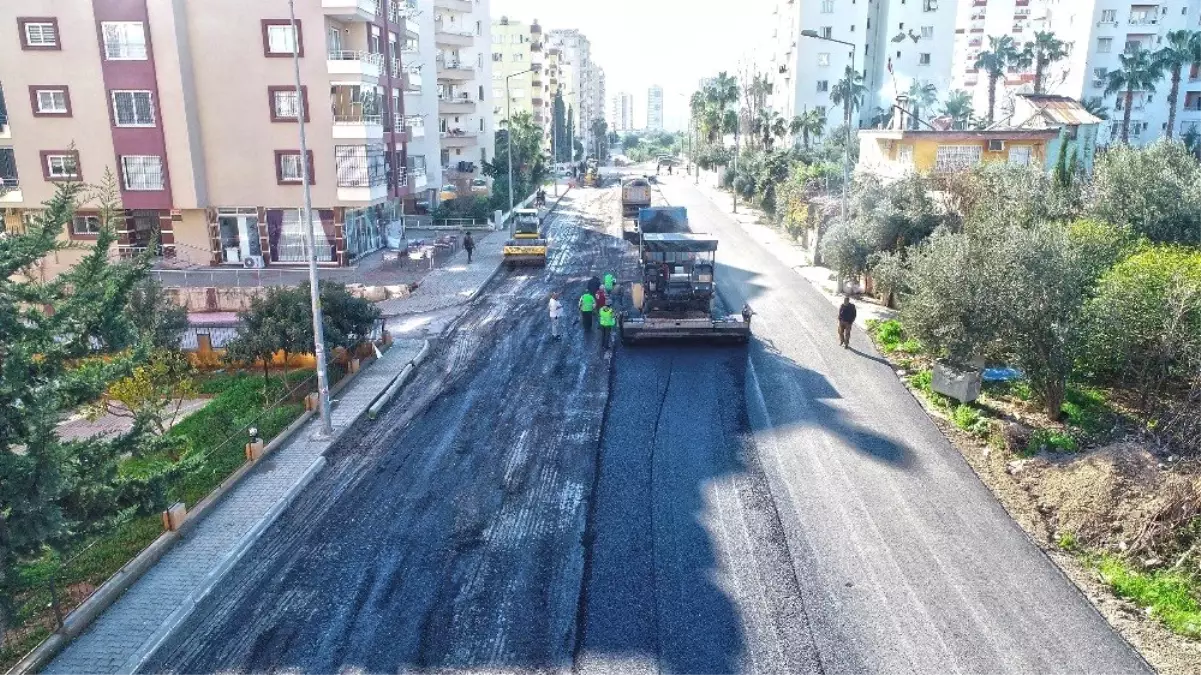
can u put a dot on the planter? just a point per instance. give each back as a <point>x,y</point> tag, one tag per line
<point>962,385</point>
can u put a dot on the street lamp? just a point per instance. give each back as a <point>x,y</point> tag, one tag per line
<point>846,151</point>
<point>325,430</point>
<point>509,134</point>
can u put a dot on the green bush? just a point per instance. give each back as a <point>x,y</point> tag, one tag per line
<point>922,381</point>
<point>1170,596</point>
<point>1055,441</point>
<point>888,333</point>
<point>1087,410</point>
<point>968,418</point>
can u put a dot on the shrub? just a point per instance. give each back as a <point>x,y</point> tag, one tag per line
<point>969,419</point>
<point>1054,441</point>
<point>1086,409</point>
<point>889,334</point>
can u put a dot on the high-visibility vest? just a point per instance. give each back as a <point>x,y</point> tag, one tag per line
<point>587,302</point>
<point>607,318</point>
<point>610,282</point>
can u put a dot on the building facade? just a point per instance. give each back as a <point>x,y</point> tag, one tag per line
<point>582,90</point>
<point>208,165</point>
<point>621,112</point>
<point>463,37</point>
<point>519,56</point>
<point>418,55</point>
<point>892,43</point>
<point>654,108</point>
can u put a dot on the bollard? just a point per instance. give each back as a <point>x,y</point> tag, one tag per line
<point>174,516</point>
<point>310,402</point>
<point>355,366</point>
<point>254,450</point>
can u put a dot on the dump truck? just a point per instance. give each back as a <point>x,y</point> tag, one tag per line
<point>527,247</point>
<point>635,195</point>
<point>675,297</point>
<point>655,220</point>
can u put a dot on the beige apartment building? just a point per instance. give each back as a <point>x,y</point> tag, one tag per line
<point>519,55</point>
<point>193,108</point>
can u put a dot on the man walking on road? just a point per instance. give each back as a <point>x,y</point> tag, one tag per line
<point>607,320</point>
<point>587,305</point>
<point>846,319</point>
<point>555,309</point>
<point>469,246</point>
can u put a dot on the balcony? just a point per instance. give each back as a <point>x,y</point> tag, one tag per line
<point>1143,20</point>
<point>452,37</point>
<point>356,65</point>
<point>456,105</point>
<point>351,10</point>
<point>455,71</point>
<point>463,6</point>
<point>358,126</point>
<point>400,11</point>
<point>412,83</point>
<point>416,125</point>
<point>458,139</point>
<point>417,179</point>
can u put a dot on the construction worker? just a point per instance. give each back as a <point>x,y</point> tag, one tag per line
<point>602,298</point>
<point>610,282</point>
<point>587,306</point>
<point>555,309</point>
<point>607,321</point>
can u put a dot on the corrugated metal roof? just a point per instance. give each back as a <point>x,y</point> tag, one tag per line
<point>1061,110</point>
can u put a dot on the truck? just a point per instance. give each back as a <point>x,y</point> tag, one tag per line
<point>527,247</point>
<point>635,195</point>
<point>675,296</point>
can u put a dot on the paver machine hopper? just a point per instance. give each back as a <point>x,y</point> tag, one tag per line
<point>676,297</point>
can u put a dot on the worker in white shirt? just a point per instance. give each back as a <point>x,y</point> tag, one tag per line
<point>555,309</point>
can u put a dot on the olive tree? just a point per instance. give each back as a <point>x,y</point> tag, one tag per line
<point>1154,192</point>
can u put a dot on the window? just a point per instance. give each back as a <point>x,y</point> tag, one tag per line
<point>85,225</point>
<point>497,57</point>
<point>927,32</point>
<point>827,6</point>
<point>361,165</point>
<point>956,157</point>
<point>1020,155</point>
<point>39,33</point>
<point>1109,16</point>
<point>905,155</point>
<point>61,165</point>
<point>133,108</point>
<point>286,105</point>
<point>288,169</point>
<point>51,101</point>
<point>1099,76</point>
<point>279,39</point>
<point>1104,45</point>
<point>518,56</point>
<point>827,32</point>
<point>823,86</point>
<point>823,59</point>
<point>142,172</point>
<point>124,40</point>
<point>929,5</point>
<point>923,59</point>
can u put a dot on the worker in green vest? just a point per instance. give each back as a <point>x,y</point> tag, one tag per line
<point>587,306</point>
<point>610,282</point>
<point>607,321</point>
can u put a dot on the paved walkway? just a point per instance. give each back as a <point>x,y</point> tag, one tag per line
<point>134,625</point>
<point>78,427</point>
<point>785,249</point>
<point>455,282</point>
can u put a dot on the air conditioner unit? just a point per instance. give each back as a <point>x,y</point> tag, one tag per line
<point>996,146</point>
<point>254,262</point>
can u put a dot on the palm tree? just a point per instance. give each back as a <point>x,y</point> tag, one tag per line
<point>765,126</point>
<point>1043,51</point>
<point>958,107</point>
<point>1139,72</point>
<point>1095,106</point>
<point>922,95</point>
<point>1001,54</point>
<point>1183,48</point>
<point>721,94</point>
<point>848,92</point>
<point>808,124</point>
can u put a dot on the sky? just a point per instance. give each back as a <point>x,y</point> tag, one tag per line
<point>672,43</point>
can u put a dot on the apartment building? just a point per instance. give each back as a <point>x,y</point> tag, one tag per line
<point>1098,32</point>
<point>463,37</point>
<point>621,112</point>
<point>519,58</point>
<point>584,93</point>
<point>420,100</point>
<point>194,110</point>
<point>654,108</point>
<point>892,43</point>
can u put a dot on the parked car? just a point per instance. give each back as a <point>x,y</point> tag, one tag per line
<point>479,187</point>
<point>448,192</point>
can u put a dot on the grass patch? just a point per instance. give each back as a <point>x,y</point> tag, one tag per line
<point>890,336</point>
<point>1087,409</point>
<point>1067,541</point>
<point>1011,389</point>
<point>1171,597</point>
<point>1051,440</point>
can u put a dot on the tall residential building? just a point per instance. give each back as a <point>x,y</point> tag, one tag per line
<point>463,37</point>
<point>621,112</point>
<point>585,92</point>
<point>519,55</point>
<point>895,44</point>
<point>419,54</point>
<point>1099,31</point>
<point>193,108</point>
<point>654,108</point>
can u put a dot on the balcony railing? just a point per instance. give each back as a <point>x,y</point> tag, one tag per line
<point>366,57</point>
<point>1143,20</point>
<point>358,119</point>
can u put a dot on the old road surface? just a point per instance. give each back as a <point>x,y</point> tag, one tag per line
<point>529,505</point>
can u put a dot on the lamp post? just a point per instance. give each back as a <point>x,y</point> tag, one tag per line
<point>325,430</point>
<point>509,131</point>
<point>847,105</point>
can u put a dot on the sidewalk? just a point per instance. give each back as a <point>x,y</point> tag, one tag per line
<point>129,631</point>
<point>786,250</point>
<point>455,282</point>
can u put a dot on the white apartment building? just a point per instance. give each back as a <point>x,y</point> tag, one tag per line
<point>621,112</point>
<point>463,39</point>
<point>654,108</point>
<point>1099,31</point>
<point>585,92</point>
<point>894,43</point>
<point>421,105</point>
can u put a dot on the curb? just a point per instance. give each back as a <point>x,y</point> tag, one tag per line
<point>177,617</point>
<point>80,618</point>
<point>390,391</point>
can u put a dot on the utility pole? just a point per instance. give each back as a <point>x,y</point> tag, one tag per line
<point>734,182</point>
<point>847,106</point>
<point>325,430</point>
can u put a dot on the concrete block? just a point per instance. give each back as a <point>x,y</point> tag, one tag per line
<point>254,450</point>
<point>962,385</point>
<point>355,365</point>
<point>310,401</point>
<point>174,516</point>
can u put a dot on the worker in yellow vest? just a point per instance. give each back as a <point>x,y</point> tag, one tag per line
<point>607,321</point>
